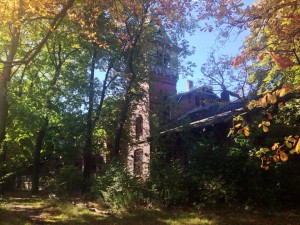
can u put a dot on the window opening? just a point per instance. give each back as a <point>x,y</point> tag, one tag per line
<point>138,162</point>
<point>138,126</point>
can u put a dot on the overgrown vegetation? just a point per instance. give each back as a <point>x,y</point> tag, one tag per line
<point>213,174</point>
<point>119,189</point>
<point>72,75</point>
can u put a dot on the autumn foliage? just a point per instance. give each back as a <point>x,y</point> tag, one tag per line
<point>275,32</point>
<point>269,103</point>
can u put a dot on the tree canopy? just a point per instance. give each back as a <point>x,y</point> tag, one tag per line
<point>71,73</point>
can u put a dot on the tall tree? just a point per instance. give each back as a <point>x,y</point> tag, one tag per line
<point>20,20</point>
<point>59,51</point>
<point>134,22</point>
<point>98,29</point>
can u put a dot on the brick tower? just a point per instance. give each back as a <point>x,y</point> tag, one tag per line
<point>152,110</point>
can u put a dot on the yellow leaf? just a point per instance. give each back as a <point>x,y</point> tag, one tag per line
<point>238,125</point>
<point>265,128</point>
<point>251,105</point>
<point>290,138</point>
<point>283,156</point>
<point>267,123</point>
<point>288,144</point>
<point>290,141</point>
<point>296,149</point>
<point>246,131</point>
<point>230,132</point>
<point>275,146</point>
<point>285,89</point>
<point>263,101</point>
<point>282,92</point>
<point>272,98</point>
<point>292,151</point>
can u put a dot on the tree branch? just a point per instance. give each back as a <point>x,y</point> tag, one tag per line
<point>55,23</point>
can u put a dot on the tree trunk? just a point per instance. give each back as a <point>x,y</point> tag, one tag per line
<point>125,107</point>
<point>37,158</point>
<point>119,130</point>
<point>3,110</point>
<point>5,77</point>
<point>4,80</point>
<point>103,93</point>
<point>42,132</point>
<point>88,146</point>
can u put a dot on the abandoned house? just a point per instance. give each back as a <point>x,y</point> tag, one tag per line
<point>162,110</point>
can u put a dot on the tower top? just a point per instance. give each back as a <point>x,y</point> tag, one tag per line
<point>165,55</point>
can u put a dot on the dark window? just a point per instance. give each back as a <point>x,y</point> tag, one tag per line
<point>138,161</point>
<point>138,126</point>
<point>197,100</point>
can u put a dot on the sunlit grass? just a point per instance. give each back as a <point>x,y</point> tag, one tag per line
<point>66,212</point>
<point>190,219</point>
<point>25,210</point>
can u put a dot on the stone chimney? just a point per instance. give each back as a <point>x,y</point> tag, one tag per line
<point>189,85</point>
<point>225,96</point>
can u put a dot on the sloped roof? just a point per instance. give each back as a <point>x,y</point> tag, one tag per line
<point>208,115</point>
<point>203,90</point>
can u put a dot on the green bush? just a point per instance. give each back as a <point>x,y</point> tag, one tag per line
<point>213,189</point>
<point>169,183</point>
<point>69,179</point>
<point>118,189</point>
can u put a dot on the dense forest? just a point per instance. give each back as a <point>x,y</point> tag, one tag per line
<point>71,73</point>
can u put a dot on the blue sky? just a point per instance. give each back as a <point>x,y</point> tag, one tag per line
<point>203,43</point>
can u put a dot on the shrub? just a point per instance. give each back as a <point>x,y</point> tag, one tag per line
<point>169,183</point>
<point>69,179</point>
<point>118,189</point>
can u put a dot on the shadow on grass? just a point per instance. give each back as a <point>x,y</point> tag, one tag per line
<point>15,210</point>
<point>140,217</point>
<point>8,217</point>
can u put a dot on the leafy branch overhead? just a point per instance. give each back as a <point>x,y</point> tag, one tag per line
<point>269,104</point>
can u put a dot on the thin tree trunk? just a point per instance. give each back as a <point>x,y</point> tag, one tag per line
<point>103,93</point>
<point>37,157</point>
<point>88,147</point>
<point>42,132</point>
<point>3,111</point>
<point>5,77</point>
<point>125,107</point>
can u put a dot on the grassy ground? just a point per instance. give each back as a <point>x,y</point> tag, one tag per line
<point>19,208</point>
